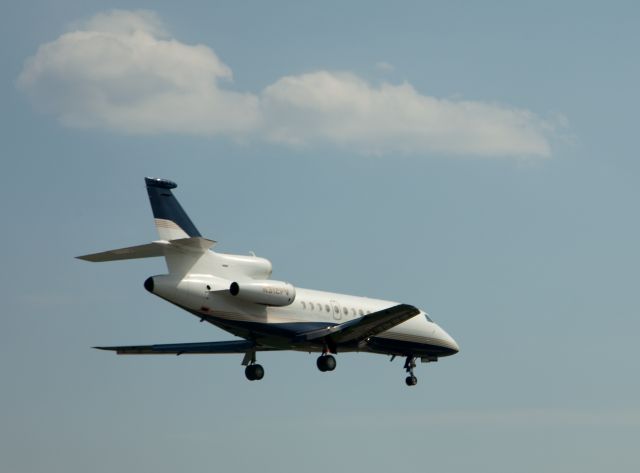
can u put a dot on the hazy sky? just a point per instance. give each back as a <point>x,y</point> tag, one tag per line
<point>476,159</point>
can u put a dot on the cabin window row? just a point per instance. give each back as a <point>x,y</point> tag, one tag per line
<point>318,306</point>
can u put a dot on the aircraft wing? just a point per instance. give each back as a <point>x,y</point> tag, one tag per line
<point>235,346</point>
<point>363,327</point>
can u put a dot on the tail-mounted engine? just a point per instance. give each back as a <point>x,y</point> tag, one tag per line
<point>267,292</point>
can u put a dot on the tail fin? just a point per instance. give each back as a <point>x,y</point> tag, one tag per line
<point>181,243</point>
<point>171,220</point>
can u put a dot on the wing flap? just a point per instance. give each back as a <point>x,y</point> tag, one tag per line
<point>363,327</point>
<point>234,346</point>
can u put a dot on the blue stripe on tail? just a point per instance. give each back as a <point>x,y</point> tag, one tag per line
<point>165,206</point>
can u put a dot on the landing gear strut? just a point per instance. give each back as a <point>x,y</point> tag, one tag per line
<point>409,364</point>
<point>326,363</point>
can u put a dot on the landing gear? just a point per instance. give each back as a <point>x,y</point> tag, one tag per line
<point>409,364</point>
<point>326,363</point>
<point>254,372</point>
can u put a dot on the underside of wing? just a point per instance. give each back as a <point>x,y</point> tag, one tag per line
<point>363,327</point>
<point>235,346</point>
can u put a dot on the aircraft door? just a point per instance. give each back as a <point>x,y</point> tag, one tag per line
<point>335,308</point>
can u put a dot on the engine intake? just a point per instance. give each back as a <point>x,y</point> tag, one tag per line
<point>267,292</point>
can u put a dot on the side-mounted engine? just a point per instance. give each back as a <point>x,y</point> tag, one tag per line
<point>267,292</point>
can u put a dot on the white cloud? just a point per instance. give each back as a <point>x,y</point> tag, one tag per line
<point>122,71</point>
<point>345,110</point>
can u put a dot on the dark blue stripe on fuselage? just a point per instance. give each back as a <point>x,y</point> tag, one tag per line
<point>165,206</point>
<point>252,329</point>
<point>403,348</point>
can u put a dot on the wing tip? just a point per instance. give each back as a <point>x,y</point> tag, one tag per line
<point>409,307</point>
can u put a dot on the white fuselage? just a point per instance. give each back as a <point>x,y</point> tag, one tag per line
<point>208,297</point>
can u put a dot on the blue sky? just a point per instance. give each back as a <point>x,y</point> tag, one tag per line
<point>476,160</point>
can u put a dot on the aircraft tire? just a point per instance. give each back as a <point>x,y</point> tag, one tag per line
<point>411,380</point>
<point>258,372</point>
<point>329,363</point>
<point>254,372</point>
<point>326,363</point>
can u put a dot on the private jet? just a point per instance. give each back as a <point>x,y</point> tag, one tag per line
<point>236,294</point>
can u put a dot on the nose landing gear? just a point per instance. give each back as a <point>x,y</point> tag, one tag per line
<point>409,364</point>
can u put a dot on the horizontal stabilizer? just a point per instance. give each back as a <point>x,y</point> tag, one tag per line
<point>132,252</point>
<point>150,250</point>
<point>363,327</point>
<point>234,346</point>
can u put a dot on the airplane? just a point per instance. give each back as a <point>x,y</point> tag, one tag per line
<point>234,293</point>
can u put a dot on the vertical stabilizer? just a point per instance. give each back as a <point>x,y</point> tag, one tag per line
<point>171,220</point>
<point>180,242</point>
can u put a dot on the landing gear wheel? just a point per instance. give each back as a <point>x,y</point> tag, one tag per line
<point>330,362</point>
<point>326,363</point>
<point>254,372</point>
<point>411,380</point>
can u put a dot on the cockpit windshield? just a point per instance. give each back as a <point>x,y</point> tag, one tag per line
<point>428,318</point>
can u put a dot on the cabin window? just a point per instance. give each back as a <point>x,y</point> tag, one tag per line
<point>353,312</point>
<point>311,305</point>
<point>368,312</point>
<point>361,312</point>
<point>304,306</point>
<point>345,311</point>
<point>327,308</point>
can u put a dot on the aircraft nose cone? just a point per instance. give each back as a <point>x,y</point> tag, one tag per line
<point>148,284</point>
<point>448,342</point>
<point>454,345</point>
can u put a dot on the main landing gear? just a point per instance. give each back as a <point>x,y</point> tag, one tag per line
<point>326,363</point>
<point>253,371</point>
<point>409,364</point>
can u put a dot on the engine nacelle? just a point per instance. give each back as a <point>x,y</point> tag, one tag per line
<point>267,292</point>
